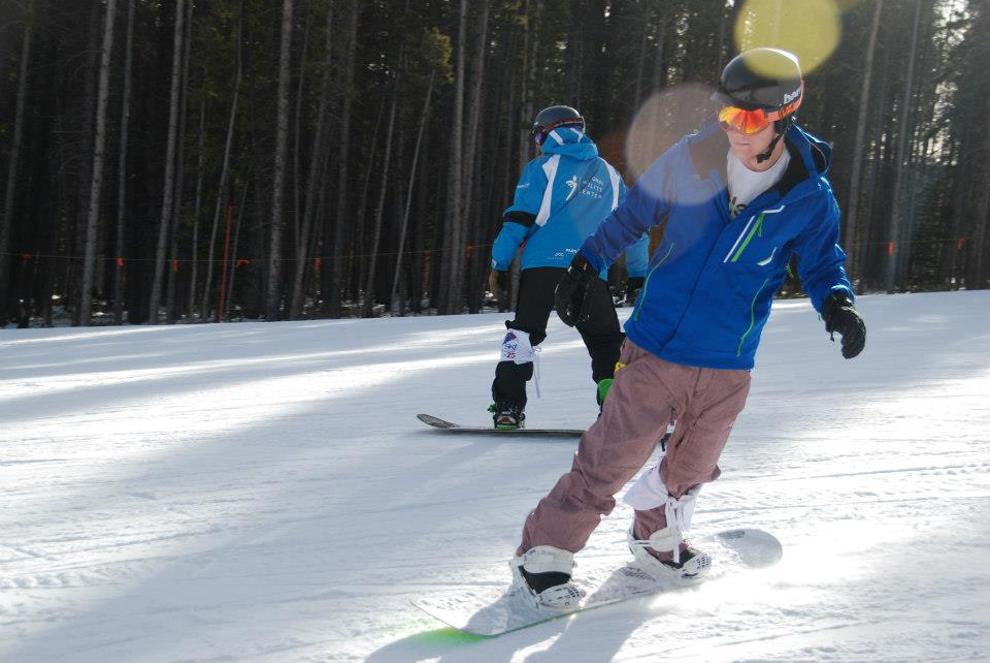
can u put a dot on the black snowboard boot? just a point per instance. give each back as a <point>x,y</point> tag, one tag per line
<point>507,416</point>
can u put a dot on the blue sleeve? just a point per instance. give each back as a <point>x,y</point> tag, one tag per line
<point>529,190</point>
<point>507,243</point>
<point>518,218</point>
<point>623,191</point>
<point>820,259</point>
<point>637,257</point>
<point>630,222</point>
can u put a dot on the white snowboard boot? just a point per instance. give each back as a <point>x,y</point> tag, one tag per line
<point>666,554</point>
<point>544,574</point>
<point>691,565</point>
<point>663,555</point>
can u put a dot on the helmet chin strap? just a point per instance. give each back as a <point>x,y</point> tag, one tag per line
<point>763,156</point>
<point>780,126</point>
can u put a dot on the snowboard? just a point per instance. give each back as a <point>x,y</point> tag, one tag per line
<point>451,427</point>
<point>491,611</point>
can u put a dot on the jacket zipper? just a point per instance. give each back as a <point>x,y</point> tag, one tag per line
<point>646,283</point>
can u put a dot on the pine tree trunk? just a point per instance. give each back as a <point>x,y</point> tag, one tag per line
<point>180,175</point>
<point>10,196</point>
<point>409,195</point>
<point>93,215</point>
<point>641,63</point>
<point>273,299</point>
<point>225,168</point>
<point>900,163</point>
<point>472,220</point>
<point>168,187</point>
<point>74,268</point>
<point>977,278</point>
<point>451,274</point>
<point>915,158</point>
<point>197,205</point>
<point>314,181</point>
<point>574,55</point>
<point>658,80</point>
<point>229,296</point>
<point>360,221</point>
<point>297,136</point>
<point>369,291</point>
<point>530,48</point>
<point>125,127</point>
<point>855,236</point>
<point>311,279</point>
<point>334,286</point>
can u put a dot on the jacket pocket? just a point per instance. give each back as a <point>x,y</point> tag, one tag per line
<point>646,282</point>
<point>752,317</point>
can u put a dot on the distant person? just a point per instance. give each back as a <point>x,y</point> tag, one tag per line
<point>561,198</point>
<point>740,197</point>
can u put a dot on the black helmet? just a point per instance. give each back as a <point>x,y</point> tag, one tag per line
<point>552,117</point>
<point>762,78</point>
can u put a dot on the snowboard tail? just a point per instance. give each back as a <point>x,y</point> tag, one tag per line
<point>491,611</point>
<point>450,427</point>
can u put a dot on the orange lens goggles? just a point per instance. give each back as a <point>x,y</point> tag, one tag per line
<point>750,122</point>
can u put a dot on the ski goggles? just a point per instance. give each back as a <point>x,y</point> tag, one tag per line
<point>750,122</point>
<point>540,134</point>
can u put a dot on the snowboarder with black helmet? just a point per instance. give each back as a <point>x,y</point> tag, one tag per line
<point>739,197</point>
<point>561,198</point>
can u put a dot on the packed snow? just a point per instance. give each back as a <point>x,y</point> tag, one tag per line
<point>264,492</point>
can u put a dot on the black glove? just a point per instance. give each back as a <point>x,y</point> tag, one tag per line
<point>840,316</point>
<point>571,297</point>
<point>633,285</point>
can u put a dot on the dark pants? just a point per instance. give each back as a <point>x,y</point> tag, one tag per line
<point>601,333</point>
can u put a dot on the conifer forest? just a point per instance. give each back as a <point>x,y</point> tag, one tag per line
<point>205,160</point>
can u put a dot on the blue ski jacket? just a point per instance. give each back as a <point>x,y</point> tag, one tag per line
<point>561,198</point>
<point>712,279</point>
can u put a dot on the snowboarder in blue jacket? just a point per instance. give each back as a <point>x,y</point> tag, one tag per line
<point>740,198</point>
<point>561,198</point>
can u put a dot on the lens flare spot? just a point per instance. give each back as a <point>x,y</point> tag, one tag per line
<point>808,28</point>
<point>662,120</point>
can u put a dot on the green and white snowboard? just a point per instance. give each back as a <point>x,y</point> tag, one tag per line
<point>492,611</point>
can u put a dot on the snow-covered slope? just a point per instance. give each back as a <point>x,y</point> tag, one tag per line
<point>263,492</point>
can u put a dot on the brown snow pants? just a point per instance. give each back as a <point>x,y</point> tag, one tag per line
<point>648,393</point>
